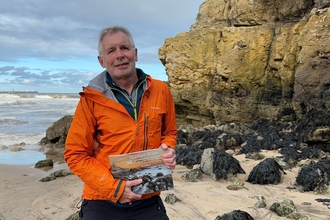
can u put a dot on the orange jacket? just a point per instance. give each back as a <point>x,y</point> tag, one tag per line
<point>99,117</point>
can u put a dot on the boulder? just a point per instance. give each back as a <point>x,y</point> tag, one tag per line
<point>59,128</point>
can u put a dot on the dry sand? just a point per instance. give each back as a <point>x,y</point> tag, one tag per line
<point>23,196</point>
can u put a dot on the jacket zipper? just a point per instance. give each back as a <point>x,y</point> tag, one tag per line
<point>145,132</point>
<point>117,188</point>
<point>145,146</point>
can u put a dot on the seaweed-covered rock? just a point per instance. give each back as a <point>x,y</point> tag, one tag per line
<point>283,208</point>
<point>312,153</point>
<point>313,129</point>
<point>315,176</point>
<point>44,163</point>
<point>193,175</point>
<point>228,141</point>
<point>171,198</point>
<point>236,184</point>
<point>325,202</point>
<point>184,137</point>
<point>298,216</point>
<point>255,156</point>
<point>290,154</point>
<point>267,171</point>
<point>234,128</point>
<point>235,215</point>
<point>219,164</point>
<point>188,156</point>
<point>54,175</point>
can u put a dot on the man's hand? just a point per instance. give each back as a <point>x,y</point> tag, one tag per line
<point>128,195</point>
<point>169,158</point>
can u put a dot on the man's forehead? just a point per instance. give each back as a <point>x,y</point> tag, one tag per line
<point>118,38</point>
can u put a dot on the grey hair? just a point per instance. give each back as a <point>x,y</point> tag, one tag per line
<point>111,30</point>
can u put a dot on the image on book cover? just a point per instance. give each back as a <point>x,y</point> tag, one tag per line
<point>146,165</point>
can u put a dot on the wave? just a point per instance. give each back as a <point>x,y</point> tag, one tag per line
<point>58,95</point>
<point>7,121</point>
<point>17,139</point>
<point>12,97</point>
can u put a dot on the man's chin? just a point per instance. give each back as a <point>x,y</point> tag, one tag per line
<point>123,73</point>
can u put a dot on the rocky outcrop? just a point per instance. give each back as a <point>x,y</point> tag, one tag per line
<point>56,133</point>
<point>59,128</point>
<point>248,59</point>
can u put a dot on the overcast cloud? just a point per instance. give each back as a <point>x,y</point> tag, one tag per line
<point>51,46</point>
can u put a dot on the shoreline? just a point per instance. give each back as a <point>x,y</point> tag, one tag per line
<point>23,196</point>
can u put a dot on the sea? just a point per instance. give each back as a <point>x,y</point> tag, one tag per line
<point>24,119</point>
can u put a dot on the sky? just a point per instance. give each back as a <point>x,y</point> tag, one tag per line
<point>51,46</point>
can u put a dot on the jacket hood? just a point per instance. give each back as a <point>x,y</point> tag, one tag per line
<point>99,83</point>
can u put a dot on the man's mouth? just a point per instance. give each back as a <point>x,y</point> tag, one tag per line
<point>122,64</point>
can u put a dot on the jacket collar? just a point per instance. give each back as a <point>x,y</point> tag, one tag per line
<point>141,76</point>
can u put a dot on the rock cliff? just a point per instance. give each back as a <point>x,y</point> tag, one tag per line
<point>249,59</point>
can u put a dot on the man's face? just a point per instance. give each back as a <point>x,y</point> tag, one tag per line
<point>118,55</point>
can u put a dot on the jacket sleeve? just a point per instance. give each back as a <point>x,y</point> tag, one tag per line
<point>79,154</point>
<point>169,126</point>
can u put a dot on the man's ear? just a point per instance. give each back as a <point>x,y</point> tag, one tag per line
<point>101,61</point>
<point>136,54</point>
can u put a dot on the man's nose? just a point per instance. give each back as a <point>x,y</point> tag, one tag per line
<point>119,54</point>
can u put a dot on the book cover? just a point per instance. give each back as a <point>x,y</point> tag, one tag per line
<point>146,165</point>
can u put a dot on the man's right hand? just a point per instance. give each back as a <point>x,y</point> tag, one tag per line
<point>128,195</point>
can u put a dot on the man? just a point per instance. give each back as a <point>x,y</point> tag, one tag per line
<point>122,110</point>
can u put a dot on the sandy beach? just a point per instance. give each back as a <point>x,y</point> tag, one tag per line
<point>23,196</point>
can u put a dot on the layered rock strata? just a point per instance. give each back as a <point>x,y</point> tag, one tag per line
<point>249,59</point>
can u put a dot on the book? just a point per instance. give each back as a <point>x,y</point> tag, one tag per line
<point>146,165</point>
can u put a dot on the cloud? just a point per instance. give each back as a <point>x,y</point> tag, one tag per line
<point>35,78</point>
<point>61,33</point>
<point>5,69</point>
<point>54,29</point>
